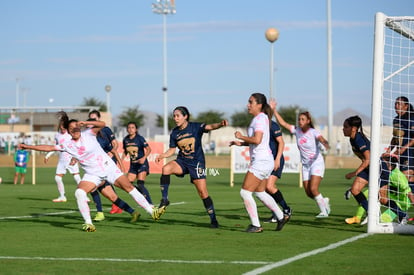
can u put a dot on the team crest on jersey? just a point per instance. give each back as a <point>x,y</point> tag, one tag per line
<point>187,145</point>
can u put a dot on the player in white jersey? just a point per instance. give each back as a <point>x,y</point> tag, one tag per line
<point>313,166</point>
<point>261,162</point>
<point>64,164</point>
<point>97,165</point>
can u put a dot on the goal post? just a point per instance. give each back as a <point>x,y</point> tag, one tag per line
<point>393,76</point>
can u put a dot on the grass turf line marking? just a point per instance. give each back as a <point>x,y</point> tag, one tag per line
<point>60,213</point>
<point>132,260</point>
<point>271,266</point>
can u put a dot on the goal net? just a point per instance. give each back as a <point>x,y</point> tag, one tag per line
<point>393,82</point>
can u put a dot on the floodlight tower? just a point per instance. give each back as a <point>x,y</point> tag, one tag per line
<point>272,34</point>
<point>164,7</point>
<point>108,89</point>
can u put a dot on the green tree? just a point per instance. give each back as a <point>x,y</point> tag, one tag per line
<point>289,115</point>
<point>92,101</point>
<point>131,114</point>
<point>160,122</point>
<point>241,119</point>
<point>210,117</point>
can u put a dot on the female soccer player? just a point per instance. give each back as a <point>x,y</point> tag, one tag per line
<point>106,139</point>
<point>360,144</point>
<point>64,164</point>
<point>138,150</point>
<point>262,162</point>
<point>98,167</point>
<point>277,145</point>
<point>403,137</point>
<point>313,166</point>
<point>186,136</point>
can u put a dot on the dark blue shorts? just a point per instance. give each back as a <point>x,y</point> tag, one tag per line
<point>137,168</point>
<point>364,174</point>
<point>195,170</point>
<point>278,172</point>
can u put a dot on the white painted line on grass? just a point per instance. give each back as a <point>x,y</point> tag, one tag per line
<point>266,268</point>
<point>60,213</point>
<point>132,260</point>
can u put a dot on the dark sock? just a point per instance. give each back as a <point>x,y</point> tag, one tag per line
<point>278,197</point>
<point>164,185</point>
<point>144,191</point>
<point>97,200</point>
<point>208,204</point>
<point>362,200</point>
<point>394,207</point>
<point>123,205</point>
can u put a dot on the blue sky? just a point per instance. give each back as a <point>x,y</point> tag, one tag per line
<point>217,53</point>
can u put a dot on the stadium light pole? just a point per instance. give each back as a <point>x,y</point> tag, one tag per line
<point>271,34</point>
<point>108,100</point>
<point>164,7</point>
<point>17,92</point>
<point>329,47</point>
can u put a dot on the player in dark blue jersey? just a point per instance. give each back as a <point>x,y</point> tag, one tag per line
<point>403,137</point>
<point>186,136</point>
<point>109,144</point>
<point>138,150</point>
<point>360,144</point>
<point>277,145</point>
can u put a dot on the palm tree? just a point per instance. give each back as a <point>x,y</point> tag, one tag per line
<point>92,101</point>
<point>131,114</point>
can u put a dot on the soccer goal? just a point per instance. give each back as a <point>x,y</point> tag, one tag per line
<point>393,77</point>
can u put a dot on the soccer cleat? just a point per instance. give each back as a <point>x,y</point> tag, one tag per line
<point>352,220</point>
<point>254,229</point>
<point>214,224</point>
<point>402,220</point>
<point>99,217</point>
<point>163,206</point>
<point>322,215</point>
<point>272,219</point>
<point>365,221</point>
<point>115,210</point>
<point>60,199</point>
<point>280,224</point>
<point>288,213</point>
<point>327,206</point>
<point>156,213</point>
<point>135,216</point>
<point>88,227</point>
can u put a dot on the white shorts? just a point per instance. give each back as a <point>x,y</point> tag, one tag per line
<point>112,173</point>
<point>316,168</point>
<point>64,165</point>
<point>262,169</point>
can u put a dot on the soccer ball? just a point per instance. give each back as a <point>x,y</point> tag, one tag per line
<point>1,180</point>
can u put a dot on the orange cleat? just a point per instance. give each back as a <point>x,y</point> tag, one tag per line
<point>115,210</point>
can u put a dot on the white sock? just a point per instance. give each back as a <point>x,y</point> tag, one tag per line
<point>270,203</point>
<point>321,203</point>
<point>83,206</point>
<point>141,200</point>
<point>77,178</point>
<point>60,185</point>
<point>251,206</point>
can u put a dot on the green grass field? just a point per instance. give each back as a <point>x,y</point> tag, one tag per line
<point>41,237</point>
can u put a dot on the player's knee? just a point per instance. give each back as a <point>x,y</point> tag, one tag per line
<point>80,194</point>
<point>245,194</point>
